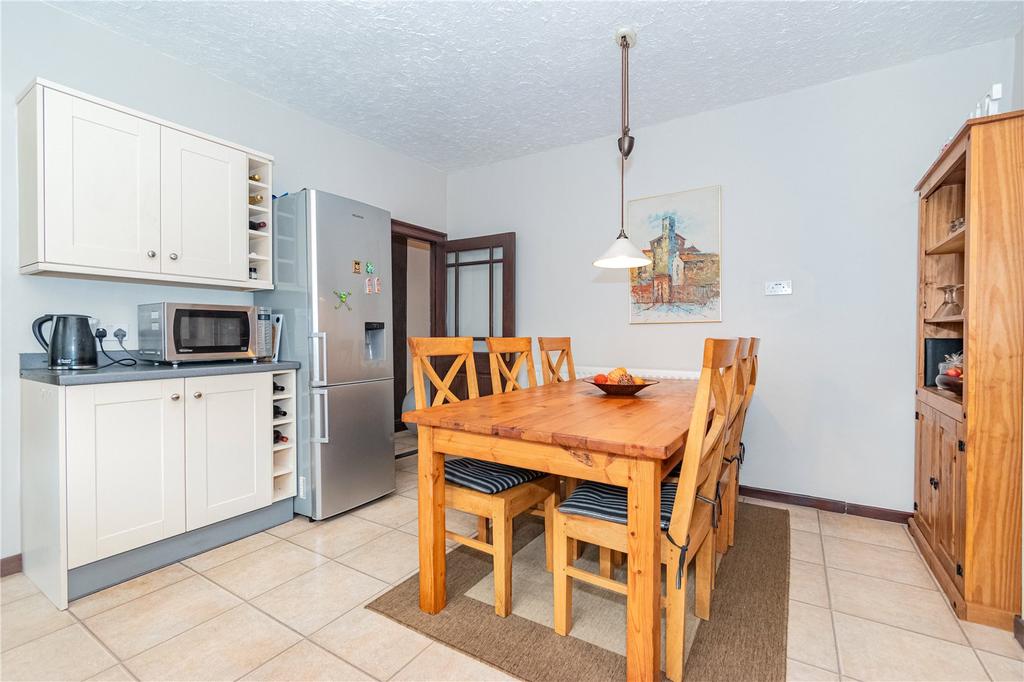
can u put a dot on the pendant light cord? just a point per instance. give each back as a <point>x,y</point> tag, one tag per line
<point>624,42</point>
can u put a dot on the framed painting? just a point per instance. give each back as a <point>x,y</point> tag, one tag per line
<point>682,234</point>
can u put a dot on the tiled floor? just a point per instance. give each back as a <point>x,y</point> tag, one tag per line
<point>287,604</point>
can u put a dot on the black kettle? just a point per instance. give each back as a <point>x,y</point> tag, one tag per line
<point>71,345</point>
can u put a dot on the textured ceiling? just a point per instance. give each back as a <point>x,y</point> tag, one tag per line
<point>459,84</point>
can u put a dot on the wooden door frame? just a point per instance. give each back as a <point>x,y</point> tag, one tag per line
<point>401,232</point>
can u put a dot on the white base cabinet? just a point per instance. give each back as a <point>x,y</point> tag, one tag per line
<point>107,468</point>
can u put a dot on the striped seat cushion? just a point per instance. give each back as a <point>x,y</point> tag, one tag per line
<point>608,502</point>
<point>486,477</point>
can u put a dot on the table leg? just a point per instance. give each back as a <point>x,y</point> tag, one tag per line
<point>643,593</point>
<point>431,523</point>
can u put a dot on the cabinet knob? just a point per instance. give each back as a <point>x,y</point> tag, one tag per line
<point>175,396</point>
<point>173,256</point>
<point>151,253</point>
<point>197,394</point>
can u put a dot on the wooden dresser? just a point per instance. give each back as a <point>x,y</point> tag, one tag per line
<point>967,494</point>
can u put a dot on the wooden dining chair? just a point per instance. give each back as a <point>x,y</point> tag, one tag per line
<point>552,369</point>
<point>597,513</point>
<point>505,379</point>
<point>746,380</point>
<point>494,492</point>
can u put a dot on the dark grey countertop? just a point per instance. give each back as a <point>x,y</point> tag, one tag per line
<point>33,368</point>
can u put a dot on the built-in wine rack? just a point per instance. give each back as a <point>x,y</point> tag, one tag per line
<point>284,435</point>
<point>261,255</point>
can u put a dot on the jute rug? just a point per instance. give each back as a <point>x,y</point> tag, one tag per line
<point>744,640</point>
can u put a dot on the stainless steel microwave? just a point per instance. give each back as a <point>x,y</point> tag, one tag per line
<point>196,332</point>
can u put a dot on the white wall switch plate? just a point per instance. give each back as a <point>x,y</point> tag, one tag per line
<point>782,287</point>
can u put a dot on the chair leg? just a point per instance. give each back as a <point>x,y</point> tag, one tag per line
<point>501,530</point>
<point>550,503</point>
<point>734,498</point>
<point>565,554</point>
<point>481,529</point>
<point>570,486</point>
<point>705,571</point>
<point>606,562</point>
<point>722,537</point>
<point>675,623</point>
<point>618,558</point>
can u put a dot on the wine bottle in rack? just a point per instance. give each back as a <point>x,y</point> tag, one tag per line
<point>278,388</point>
<point>257,225</point>
<point>280,437</point>
<point>255,198</point>
<point>255,177</point>
<point>278,412</point>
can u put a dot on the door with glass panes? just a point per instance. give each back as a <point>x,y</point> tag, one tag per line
<point>474,295</point>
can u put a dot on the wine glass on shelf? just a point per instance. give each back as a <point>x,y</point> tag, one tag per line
<point>949,307</point>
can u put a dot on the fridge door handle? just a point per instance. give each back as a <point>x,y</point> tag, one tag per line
<point>321,430</point>
<point>318,352</point>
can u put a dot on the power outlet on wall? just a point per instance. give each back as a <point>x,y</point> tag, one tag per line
<point>782,287</point>
<point>110,343</point>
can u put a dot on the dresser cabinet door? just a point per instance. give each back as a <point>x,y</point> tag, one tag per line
<point>204,219</point>
<point>924,494</point>
<point>101,186</point>
<point>949,491</point>
<point>125,466</point>
<point>228,450</point>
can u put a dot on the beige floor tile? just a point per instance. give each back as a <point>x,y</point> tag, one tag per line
<point>67,654</point>
<point>388,558</point>
<point>873,651</point>
<point>800,518</point>
<point>314,599</point>
<point>807,583</point>
<point>405,480</point>
<point>1001,668</point>
<point>156,617</point>
<point>300,524</point>
<point>412,493</point>
<point>391,511</point>
<point>224,648</point>
<point>861,529</point>
<point>264,569</point>
<point>810,636</point>
<point>804,546</point>
<point>454,520</point>
<point>371,642</point>
<point>439,662</point>
<point>905,606</point>
<point>125,592</point>
<point>337,536</point>
<point>116,674</point>
<point>28,618</point>
<point>880,562</point>
<point>221,555</point>
<point>801,672</point>
<point>14,587</point>
<point>308,662</point>
<point>407,463</point>
<point>993,639</point>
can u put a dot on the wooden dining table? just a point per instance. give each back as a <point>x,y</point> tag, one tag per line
<point>569,429</point>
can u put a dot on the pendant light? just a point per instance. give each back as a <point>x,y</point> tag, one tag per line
<point>623,253</point>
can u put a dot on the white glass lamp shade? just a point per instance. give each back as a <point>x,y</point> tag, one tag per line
<point>622,254</point>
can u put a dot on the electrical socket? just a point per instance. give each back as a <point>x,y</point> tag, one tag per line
<point>778,288</point>
<point>112,327</point>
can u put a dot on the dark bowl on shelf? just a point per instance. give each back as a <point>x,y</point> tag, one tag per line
<point>622,389</point>
<point>948,383</point>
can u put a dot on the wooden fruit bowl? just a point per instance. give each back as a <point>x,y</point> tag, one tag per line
<point>621,389</point>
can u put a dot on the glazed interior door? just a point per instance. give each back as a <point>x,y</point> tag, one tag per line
<point>475,281</point>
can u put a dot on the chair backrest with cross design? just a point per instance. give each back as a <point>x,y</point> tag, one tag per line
<point>706,441</point>
<point>552,369</point>
<point>505,379</point>
<point>425,348</point>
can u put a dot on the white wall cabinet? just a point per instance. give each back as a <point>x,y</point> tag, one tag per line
<point>229,435</point>
<point>107,468</point>
<point>126,466</point>
<point>108,192</point>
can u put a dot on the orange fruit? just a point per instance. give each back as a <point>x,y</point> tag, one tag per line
<point>601,379</point>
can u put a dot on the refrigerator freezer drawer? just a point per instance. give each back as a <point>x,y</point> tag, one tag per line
<point>353,452</point>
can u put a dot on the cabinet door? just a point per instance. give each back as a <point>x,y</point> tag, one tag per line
<point>923,471</point>
<point>125,466</point>
<point>228,441</point>
<point>949,491</point>
<point>101,179</point>
<point>204,220</point>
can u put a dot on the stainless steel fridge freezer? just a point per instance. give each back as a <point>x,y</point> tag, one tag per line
<point>332,284</point>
